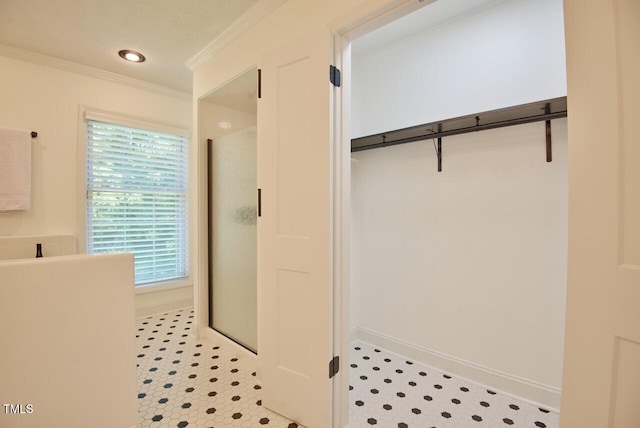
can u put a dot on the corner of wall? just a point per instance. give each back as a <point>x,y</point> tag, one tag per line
<point>163,300</point>
<point>523,389</point>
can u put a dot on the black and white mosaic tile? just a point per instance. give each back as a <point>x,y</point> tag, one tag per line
<point>188,382</point>
<point>185,382</point>
<point>387,390</point>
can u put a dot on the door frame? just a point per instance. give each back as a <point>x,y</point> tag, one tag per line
<point>357,22</point>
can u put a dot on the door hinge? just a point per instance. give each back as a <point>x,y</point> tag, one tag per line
<point>259,202</point>
<point>259,83</point>
<point>334,366</point>
<point>334,75</point>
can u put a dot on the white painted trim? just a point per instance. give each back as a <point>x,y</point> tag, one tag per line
<point>91,113</point>
<point>162,305</point>
<point>358,21</point>
<point>154,287</point>
<point>163,298</point>
<point>245,22</point>
<point>354,334</point>
<point>87,112</point>
<point>200,227</point>
<point>520,388</point>
<point>343,30</point>
<point>341,226</point>
<point>74,67</point>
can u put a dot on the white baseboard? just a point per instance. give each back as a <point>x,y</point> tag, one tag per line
<point>163,300</point>
<point>528,390</point>
<point>159,308</point>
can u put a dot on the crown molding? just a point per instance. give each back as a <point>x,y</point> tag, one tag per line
<point>74,67</point>
<point>251,17</point>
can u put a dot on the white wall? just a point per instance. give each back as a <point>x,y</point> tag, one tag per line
<point>467,265</point>
<point>233,56</point>
<point>47,99</point>
<point>24,247</point>
<point>508,53</point>
<point>216,121</point>
<point>288,23</point>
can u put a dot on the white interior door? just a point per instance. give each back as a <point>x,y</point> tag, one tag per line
<point>601,384</point>
<point>295,331</point>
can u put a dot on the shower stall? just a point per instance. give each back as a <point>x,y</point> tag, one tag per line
<point>232,209</point>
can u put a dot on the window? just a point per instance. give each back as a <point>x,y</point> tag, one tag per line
<point>137,198</point>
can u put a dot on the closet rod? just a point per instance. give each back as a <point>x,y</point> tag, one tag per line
<point>517,115</point>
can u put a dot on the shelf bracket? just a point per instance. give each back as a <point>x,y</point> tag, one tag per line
<point>437,145</point>
<point>439,149</point>
<point>547,123</point>
<point>439,153</point>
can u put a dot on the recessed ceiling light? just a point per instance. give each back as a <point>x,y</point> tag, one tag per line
<point>132,56</point>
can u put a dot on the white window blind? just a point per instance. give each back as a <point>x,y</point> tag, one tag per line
<point>137,198</point>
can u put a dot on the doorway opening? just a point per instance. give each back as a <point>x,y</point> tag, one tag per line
<point>463,270</point>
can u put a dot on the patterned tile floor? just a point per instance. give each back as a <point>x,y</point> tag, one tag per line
<point>387,390</point>
<point>185,382</point>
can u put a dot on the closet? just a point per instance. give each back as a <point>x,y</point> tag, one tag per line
<point>463,268</point>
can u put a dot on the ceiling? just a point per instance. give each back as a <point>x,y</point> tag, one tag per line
<point>168,32</point>
<point>427,18</point>
<point>91,32</point>
<point>240,93</point>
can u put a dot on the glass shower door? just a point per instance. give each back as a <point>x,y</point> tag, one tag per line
<point>233,236</point>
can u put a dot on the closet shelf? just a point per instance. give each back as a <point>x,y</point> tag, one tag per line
<point>544,110</point>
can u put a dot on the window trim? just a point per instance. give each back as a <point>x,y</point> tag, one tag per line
<point>89,113</point>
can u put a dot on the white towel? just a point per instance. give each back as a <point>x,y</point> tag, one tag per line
<point>15,170</point>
